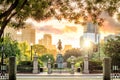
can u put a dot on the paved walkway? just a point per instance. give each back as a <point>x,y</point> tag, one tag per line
<point>59,76</point>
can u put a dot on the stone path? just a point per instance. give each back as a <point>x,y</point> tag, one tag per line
<point>59,79</point>
<point>58,76</point>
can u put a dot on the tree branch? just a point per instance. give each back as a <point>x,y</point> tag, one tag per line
<point>25,1</point>
<point>8,16</point>
<point>5,22</point>
<point>11,8</point>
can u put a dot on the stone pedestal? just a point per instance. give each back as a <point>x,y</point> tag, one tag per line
<point>72,67</point>
<point>35,64</point>
<point>12,68</point>
<point>106,68</point>
<point>49,67</point>
<point>86,65</point>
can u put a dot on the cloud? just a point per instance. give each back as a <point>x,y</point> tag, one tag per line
<point>56,30</point>
<point>110,24</point>
<point>53,26</point>
<point>49,29</point>
<point>69,29</point>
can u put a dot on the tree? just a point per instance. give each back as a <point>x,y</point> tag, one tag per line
<point>72,52</point>
<point>39,49</point>
<point>10,47</point>
<point>80,11</point>
<point>45,57</point>
<point>98,52</point>
<point>25,51</point>
<point>112,48</point>
<point>15,12</point>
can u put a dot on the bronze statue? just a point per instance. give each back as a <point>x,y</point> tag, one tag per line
<point>59,45</point>
<point>59,57</point>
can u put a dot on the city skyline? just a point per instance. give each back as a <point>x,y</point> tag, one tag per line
<point>70,33</point>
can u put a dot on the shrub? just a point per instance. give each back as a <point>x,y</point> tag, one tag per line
<point>72,52</point>
<point>95,66</point>
<point>40,63</point>
<point>26,63</point>
<point>25,67</point>
<point>79,64</point>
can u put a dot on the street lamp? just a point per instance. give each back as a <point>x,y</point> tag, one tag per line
<point>3,65</point>
<point>87,45</point>
<point>47,58</point>
<point>2,54</point>
<point>46,62</point>
<point>31,45</point>
<point>2,61</point>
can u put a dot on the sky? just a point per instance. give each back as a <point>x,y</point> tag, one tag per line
<point>70,33</point>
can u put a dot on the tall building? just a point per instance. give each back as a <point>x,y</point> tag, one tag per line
<point>90,33</point>
<point>47,41</point>
<point>27,34</point>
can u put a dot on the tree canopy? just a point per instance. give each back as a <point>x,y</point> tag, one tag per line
<point>81,10</point>
<point>76,52</point>
<point>39,49</point>
<point>46,57</point>
<point>9,47</point>
<point>15,12</point>
<point>112,48</point>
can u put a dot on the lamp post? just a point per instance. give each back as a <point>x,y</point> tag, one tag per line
<point>46,62</point>
<point>99,45</point>
<point>2,54</point>
<point>3,66</point>
<point>2,61</point>
<point>31,45</point>
<point>86,58</point>
<point>47,58</point>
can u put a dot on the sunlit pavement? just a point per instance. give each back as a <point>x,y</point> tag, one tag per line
<point>59,76</point>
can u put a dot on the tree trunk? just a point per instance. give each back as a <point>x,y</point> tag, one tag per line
<point>3,28</point>
<point>7,15</point>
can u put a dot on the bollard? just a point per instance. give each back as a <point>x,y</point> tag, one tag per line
<point>12,68</point>
<point>35,65</point>
<point>49,67</point>
<point>86,65</point>
<point>72,67</point>
<point>106,68</point>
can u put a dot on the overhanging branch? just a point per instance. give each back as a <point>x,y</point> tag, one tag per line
<point>10,9</point>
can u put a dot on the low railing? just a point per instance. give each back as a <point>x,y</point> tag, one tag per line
<point>3,72</point>
<point>115,72</point>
